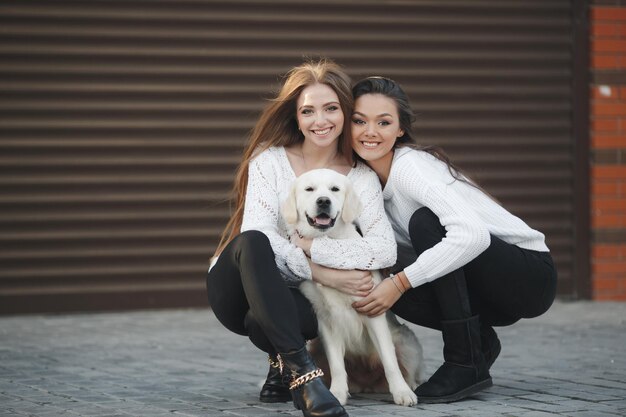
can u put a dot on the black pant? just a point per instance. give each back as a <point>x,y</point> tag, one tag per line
<point>249,296</point>
<point>504,283</point>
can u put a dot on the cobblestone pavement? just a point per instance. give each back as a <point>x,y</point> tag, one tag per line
<point>570,362</point>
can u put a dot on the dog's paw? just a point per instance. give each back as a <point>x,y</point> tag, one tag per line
<point>341,395</point>
<point>404,397</point>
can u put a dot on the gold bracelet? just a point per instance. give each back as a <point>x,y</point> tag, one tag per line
<point>397,287</point>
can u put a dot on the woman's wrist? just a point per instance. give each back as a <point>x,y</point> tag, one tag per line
<point>404,281</point>
<point>398,285</point>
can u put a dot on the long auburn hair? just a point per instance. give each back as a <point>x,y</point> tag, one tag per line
<point>278,126</point>
<point>391,89</point>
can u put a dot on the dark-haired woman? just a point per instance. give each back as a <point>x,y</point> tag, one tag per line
<point>465,264</point>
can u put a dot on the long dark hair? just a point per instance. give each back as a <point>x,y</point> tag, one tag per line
<point>391,89</point>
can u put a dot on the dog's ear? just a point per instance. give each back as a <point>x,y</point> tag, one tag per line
<point>290,208</point>
<point>351,205</point>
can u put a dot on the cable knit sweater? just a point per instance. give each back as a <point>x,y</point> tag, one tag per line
<point>418,179</point>
<point>269,180</point>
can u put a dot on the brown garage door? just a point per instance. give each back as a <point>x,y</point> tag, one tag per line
<point>122,123</point>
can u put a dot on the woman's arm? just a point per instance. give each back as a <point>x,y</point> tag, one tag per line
<point>377,248</point>
<point>466,234</point>
<point>262,213</point>
<point>384,296</point>
<point>466,237</point>
<point>351,282</point>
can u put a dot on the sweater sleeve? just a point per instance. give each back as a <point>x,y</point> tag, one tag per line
<point>262,213</point>
<point>466,234</point>
<point>376,249</point>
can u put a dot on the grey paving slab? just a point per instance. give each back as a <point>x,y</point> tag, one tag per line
<point>569,362</point>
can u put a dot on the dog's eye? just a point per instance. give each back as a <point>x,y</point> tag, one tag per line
<point>309,189</point>
<point>334,189</point>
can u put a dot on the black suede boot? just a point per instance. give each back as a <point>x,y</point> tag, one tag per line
<point>307,389</point>
<point>464,371</point>
<point>274,390</point>
<point>491,346</point>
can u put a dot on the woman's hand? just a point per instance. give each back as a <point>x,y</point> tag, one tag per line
<point>379,300</point>
<point>352,282</point>
<point>302,243</point>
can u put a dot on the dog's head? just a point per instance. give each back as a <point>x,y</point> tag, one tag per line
<point>318,200</point>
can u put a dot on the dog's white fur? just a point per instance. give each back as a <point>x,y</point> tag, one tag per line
<point>363,340</point>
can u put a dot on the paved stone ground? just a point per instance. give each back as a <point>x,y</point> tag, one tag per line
<point>570,362</point>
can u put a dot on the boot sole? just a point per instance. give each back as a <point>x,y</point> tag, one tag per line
<point>471,390</point>
<point>297,407</point>
<point>270,400</point>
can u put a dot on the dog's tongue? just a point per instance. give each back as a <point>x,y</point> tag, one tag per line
<point>323,220</point>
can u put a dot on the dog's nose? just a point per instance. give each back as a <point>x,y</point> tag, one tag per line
<point>323,202</point>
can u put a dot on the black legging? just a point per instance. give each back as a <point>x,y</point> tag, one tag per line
<point>249,296</point>
<point>505,283</point>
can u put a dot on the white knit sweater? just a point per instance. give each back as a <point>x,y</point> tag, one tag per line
<point>269,180</point>
<point>418,179</point>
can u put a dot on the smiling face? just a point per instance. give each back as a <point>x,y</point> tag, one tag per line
<point>375,127</point>
<point>319,115</point>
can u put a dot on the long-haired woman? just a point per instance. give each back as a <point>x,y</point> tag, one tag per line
<point>252,283</point>
<point>465,264</point>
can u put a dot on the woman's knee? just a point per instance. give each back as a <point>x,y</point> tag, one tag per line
<point>544,301</point>
<point>425,229</point>
<point>251,238</point>
<point>251,242</point>
<point>419,306</point>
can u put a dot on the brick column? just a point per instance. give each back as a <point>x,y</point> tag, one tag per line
<point>608,149</point>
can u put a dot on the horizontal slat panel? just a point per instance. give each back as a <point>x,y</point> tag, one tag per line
<point>122,123</point>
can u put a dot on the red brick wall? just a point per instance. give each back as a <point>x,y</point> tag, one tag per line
<point>608,149</point>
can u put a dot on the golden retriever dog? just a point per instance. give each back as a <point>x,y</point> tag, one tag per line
<point>322,202</point>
